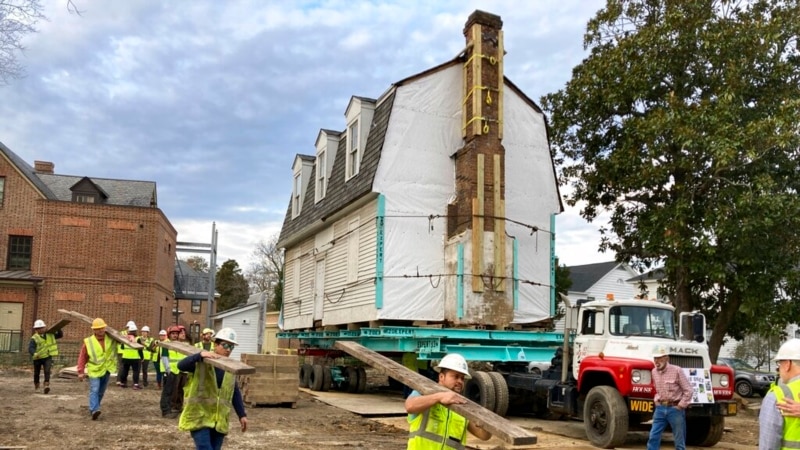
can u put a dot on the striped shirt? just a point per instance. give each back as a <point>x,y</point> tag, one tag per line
<point>672,386</point>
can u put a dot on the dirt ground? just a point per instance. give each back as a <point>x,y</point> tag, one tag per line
<point>132,420</point>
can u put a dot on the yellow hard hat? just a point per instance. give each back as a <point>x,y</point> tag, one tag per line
<point>98,323</point>
<point>208,330</point>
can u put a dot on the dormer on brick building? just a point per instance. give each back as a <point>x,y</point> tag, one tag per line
<point>302,169</point>
<point>359,119</point>
<point>326,145</point>
<point>86,191</point>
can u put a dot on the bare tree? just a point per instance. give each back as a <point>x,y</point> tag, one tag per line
<point>266,273</point>
<point>18,18</point>
<point>198,264</point>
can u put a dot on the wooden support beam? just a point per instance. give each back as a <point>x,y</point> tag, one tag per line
<point>486,419</point>
<point>499,227</point>
<point>61,324</point>
<point>477,228</point>
<point>110,332</point>
<point>477,80</point>
<point>227,364</point>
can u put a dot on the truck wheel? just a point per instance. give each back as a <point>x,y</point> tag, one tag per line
<point>500,393</point>
<point>352,379</point>
<point>317,378</point>
<point>744,388</point>
<point>326,378</point>
<point>605,417</point>
<point>305,375</point>
<point>362,380</point>
<point>480,390</point>
<point>704,431</point>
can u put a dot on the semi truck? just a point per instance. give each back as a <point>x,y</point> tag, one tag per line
<point>600,366</point>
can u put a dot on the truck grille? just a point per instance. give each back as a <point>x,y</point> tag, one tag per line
<point>687,362</point>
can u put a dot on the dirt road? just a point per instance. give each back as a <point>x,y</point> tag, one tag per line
<point>132,420</point>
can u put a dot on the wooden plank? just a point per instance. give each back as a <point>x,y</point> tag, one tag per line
<point>224,363</point>
<point>500,427</point>
<point>499,227</point>
<point>110,332</point>
<point>61,324</point>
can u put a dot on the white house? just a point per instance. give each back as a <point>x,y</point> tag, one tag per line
<point>435,203</point>
<point>247,321</point>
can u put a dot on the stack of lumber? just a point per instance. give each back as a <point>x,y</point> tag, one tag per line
<point>275,382</point>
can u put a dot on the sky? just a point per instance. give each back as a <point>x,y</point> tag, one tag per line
<point>212,100</point>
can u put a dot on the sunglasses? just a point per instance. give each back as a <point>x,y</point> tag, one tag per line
<point>226,345</point>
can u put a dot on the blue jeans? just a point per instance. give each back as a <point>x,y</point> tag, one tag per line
<point>676,418</point>
<point>97,388</point>
<point>207,439</point>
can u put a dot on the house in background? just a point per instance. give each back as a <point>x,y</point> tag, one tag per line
<point>98,246</point>
<point>433,205</point>
<point>248,321</point>
<point>599,280</point>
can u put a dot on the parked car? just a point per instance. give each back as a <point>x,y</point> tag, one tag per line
<point>748,379</point>
<point>538,367</point>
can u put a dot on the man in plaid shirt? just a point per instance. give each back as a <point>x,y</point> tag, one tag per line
<point>673,395</point>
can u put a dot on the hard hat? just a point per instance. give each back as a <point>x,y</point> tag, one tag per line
<point>132,326</point>
<point>162,333</point>
<point>226,334</point>
<point>456,362</point>
<point>98,323</point>
<point>181,328</point>
<point>38,324</point>
<point>660,350</point>
<point>790,350</point>
<point>173,329</point>
<point>146,328</point>
<point>208,330</point>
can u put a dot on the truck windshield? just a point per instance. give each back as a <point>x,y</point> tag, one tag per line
<point>641,321</point>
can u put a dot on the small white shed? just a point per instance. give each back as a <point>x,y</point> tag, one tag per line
<point>247,320</point>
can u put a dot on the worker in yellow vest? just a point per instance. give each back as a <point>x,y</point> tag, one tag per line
<point>211,393</point>
<point>432,425</point>
<point>96,360</point>
<point>778,426</point>
<point>120,348</point>
<point>171,389</point>
<point>205,341</point>
<point>147,355</point>
<point>131,358</point>
<point>43,348</point>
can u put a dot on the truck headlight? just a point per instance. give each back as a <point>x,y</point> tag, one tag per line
<point>723,380</point>
<point>640,376</point>
<point>762,378</point>
<point>636,376</point>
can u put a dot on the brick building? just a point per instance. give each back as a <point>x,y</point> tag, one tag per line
<point>98,246</point>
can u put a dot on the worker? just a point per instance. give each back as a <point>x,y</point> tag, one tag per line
<point>210,394</point>
<point>131,358</point>
<point>146,341</point>
<point>169,366</point>
<point>182,378</point>
<point>155,347</point>
<point>431,423</point>
<point>123,332</point>
<point>205,340</point>
<point>778,423</point>
<point>673,395</point>
<point>43,348</point>
<point>97,359</point>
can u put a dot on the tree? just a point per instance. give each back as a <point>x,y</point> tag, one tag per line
<point>198,264</point>
<point>231,286</point>
<point>18,18</point>
<point>758,348</point>
<point>266,272</point>
<point>682,124</point>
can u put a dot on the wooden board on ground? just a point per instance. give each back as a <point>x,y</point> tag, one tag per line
<point>276,380</point>
<point>227,364</point>
<point>499,427</point>
<point>61,324</point>
<point>366,404</point>
<point>110,332</point>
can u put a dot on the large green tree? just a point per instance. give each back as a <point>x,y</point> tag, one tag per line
<point>682,125</point>
<point>231,286</point>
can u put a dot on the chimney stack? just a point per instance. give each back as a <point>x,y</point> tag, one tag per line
<point>44,167</point>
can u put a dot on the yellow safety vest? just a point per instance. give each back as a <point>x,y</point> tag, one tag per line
<point>174,357</point>
<point>205,405</point>
<point>200,346</point>
<point>101,360</point>
<point>45,345</point>
<point>791,425</point>
<point>437,428</point>
<point>148,355</point>
<point>128,352</point>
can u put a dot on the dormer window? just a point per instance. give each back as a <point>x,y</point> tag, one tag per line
<point>321,175</point>
<point>84,198</point>
<point>87,191</point>
<point>353,159</point>
<point>296,195</point>
<point>303,172</point>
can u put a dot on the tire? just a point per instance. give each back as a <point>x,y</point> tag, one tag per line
<point>744,388</point>
<point>317,377</point>
<point>605,417</point>
<point>352,379</point>
<point>305,375</point>
<point>362,380</point>
<point>536,371</point>
<point>326,378</point>
<point>704,431</point>
<point>480,390</point>
<point>500,393</point>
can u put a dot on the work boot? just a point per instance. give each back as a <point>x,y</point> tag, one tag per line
<point>159,385</point>
<point>35,386</point>
<point>46,387</point>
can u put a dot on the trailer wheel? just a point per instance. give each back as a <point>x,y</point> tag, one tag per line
<point>317,378</point>
<point>704,431</point>
<point>352,379</point>
<point>500,393</point>
<point>480,389</point>
<point>605,417</point>
<point>362,380</point>
<point>305,375</point>
<point>326,378</point>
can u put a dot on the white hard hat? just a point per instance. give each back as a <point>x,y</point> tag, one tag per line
<point>162,333</point>
<point>660,350</point>
<point>226,334</point>
<point>132,326</point>
<point>38,324</point>
<point>146,328</point>
<point>456,362</point>
<point>790,350</point>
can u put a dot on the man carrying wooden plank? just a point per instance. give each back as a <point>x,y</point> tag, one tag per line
<point>97,359</point>
<point>211,393</point>
<point>42,348</point>
<point>432,423</point>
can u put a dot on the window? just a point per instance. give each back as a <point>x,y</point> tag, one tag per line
<point>196,304</point>
<point>20,249</point>
<point>352,251</point>
<point>352,150</point>
<point>296,195</point>
<point>85,198</point>
<point>321,171</point>
<point>2,189</point>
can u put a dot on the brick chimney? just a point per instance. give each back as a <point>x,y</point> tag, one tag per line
<point>479,165</point>
<point>44,167</point>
